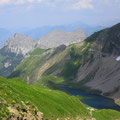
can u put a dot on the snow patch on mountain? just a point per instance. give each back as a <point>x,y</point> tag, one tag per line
<point>118,58</point>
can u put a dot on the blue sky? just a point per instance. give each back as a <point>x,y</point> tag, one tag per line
<point>36,13</point>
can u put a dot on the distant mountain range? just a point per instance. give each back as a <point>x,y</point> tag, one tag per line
<point>60,37</point>
<point>40,32</point>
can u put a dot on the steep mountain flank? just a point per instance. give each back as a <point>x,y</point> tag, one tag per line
<point>8,61</point>
<point>59,37</point>
<point>13,52</point>
<point>92,65</point>
<point>34,65</point>
<point>102,72</point>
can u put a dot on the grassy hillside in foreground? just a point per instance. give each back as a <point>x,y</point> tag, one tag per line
<point>106,115</point>
<point>53,104</point>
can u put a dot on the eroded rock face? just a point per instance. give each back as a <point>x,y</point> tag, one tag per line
<point>59,37</point>
<point>102,71</point>
<point>19,44</point>
<point>13,52</point>
<point>7,64</point>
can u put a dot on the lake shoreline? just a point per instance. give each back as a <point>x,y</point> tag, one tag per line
<point>99,95</point>
<point>110,97</point>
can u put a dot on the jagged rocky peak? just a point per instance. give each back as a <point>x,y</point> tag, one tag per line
<point>60,37</point>
<point>19,44</point>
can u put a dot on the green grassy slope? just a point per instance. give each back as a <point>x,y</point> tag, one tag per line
<point>106,115</point>
<point>37,51</point>
<point>51,82</point>
<point>34,66</point>
<point>54,104</point>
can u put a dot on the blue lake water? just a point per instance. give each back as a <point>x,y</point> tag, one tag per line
<point>93,100</point>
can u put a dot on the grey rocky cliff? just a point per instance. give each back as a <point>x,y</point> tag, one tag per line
<point>59,37</point>
<point>13,52</point>
<point>19,44</point>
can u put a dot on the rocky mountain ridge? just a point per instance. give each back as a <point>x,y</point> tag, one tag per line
<point>19,44</point>
<point>92,65</point>
<point>59,37</point>
<point>40,32</point>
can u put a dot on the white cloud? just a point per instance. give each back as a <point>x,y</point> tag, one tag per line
<point>67,4</point>
<point>14,2</point>
<point>83,4</point>
<point>3,2</point>
<point>61,4</point>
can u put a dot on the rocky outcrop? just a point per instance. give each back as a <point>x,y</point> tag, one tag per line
<point>15,111</point>
<point>13,51</point>
<point>19,44</point>
<point>59,37</point>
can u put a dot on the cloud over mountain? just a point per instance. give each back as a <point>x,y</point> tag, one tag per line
<point>5,2</point>
<point>69,4</point>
